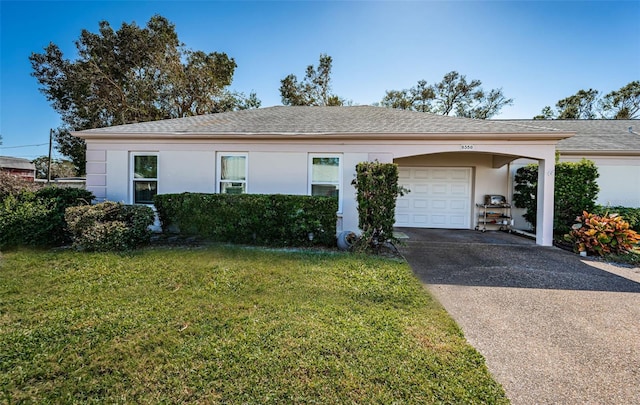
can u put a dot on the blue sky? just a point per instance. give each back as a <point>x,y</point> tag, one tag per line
<point>538,52</point>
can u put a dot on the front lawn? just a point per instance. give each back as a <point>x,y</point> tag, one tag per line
<point>228,325</point>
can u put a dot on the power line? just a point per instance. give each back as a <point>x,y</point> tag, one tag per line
<point>23,146</point>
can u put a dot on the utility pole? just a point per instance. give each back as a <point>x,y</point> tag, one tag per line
<point>49,164</point>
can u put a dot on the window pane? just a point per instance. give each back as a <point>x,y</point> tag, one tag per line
<point>145,167</point>
<point>326,170</point>
<point>232,188</point>
<point>233,168</point>
<point>144,191</point>
<point>326,190</point>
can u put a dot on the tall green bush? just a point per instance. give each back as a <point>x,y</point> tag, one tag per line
<point>260,219</point>
<point>31,218</point>
<point>575,191</point>
<point>377,189</point>
<point>109,226</point>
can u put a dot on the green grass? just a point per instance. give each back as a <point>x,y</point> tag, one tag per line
<point>228,325</point>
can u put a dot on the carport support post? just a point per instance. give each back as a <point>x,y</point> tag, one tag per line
<point>544,221</point>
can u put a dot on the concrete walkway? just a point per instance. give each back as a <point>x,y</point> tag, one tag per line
<point>554,329</point>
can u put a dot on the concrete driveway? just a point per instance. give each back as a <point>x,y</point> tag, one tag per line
<point>553,328</point>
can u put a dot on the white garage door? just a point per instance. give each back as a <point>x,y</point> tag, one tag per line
<point>440,197</point>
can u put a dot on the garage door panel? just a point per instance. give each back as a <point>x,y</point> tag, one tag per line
<point>459,220</point>
<point>461,205</point>
<point>441,174</point>
<point>420,203</point>
<point>438,198</point>
<point>460,174</point>
<point>419,219</point>
<point>459,189</point>
<point>439,204</point>
<point>440,189</point>
<point>420,188</point>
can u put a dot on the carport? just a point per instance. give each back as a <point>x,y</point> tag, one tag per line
<point>449,173</point>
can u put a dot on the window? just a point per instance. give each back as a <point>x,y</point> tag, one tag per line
<point>232,173</point>
<point>144,177</point>
<point>325,176</point>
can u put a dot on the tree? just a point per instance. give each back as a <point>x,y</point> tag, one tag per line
<point>59,167</point>
<point>586,104</point>
<point>578,106</point>
<point>452,95</point>
<point>314,89</point>
<point>134,74</point>
<point>623,104</point>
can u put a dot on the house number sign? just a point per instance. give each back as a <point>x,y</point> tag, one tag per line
<point>466,147</point>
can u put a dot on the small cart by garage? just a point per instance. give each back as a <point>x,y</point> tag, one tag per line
<point>495,211</point>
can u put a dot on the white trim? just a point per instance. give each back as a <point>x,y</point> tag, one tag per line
<point>219,156</point>
<point>310,182</point>
<point>132,179</point>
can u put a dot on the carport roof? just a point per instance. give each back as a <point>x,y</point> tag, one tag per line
<point>294,121</point>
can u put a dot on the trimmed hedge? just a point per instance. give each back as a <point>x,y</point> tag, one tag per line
<point>575,191</point>
<point>37,218</point>
<point>258,219</point>
<point>377,190</point>
<point>109,226</point>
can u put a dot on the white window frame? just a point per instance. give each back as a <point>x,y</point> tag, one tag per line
<point>310,182</point>
<point>219,180</point>
<point>132,177</point>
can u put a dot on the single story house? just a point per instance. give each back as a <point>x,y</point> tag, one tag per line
<point>448,163</point>
<point>18,167</point>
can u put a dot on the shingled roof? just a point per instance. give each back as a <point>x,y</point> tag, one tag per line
<point>9,162</point>
<point>593,135</point>
<point>320,120</point>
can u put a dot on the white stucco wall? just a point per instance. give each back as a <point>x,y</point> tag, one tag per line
<point>282,166</point>
<point>619,179</point>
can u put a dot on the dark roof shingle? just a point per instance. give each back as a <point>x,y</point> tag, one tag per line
<point>592,135</point>
<point>321,120</point>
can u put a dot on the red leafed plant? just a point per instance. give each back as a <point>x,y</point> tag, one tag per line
<point>603,235</point>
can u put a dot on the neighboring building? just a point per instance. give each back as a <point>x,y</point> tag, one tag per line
<point>448,163</point>
<point>18,167</point>
<point>613,145</point>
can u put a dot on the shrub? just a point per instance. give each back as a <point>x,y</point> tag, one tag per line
<point>37,218</point>
<point>14,185</point>
<point>109,226</point>
<point>629,214</point>
<point>377,189</point>
<point>575,191</point>
<point>24,221</point>
<point>262,219</point>
<point>602,235</point>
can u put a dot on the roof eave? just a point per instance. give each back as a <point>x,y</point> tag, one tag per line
<point>599,152</point>
<point>514,136</point>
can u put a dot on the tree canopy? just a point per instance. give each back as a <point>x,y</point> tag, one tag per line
<point>314,89</point>
<point>587,104</point>
<point>133,74</point>
<point>59,167</point>
<point>452,95</point>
